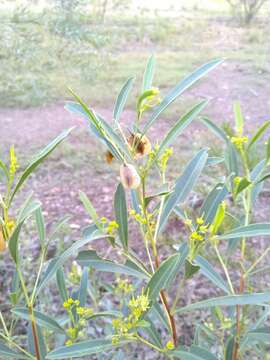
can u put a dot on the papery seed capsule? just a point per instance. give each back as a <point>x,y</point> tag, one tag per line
<point>2,241</point>
<point>140,144</point>
<point>129,177</point>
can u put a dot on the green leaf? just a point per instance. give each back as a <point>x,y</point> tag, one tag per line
<point>41,319</point>
<point>83,348</point>
<point>121,215</point>
<point>260,229</point>
<point>14,238</point>
<point>262,334</point>
<point>149,74</point>
<point>38,159</point>
<point>121,99</point>
<point>258,134</point>
<point>190,269</point>
<point>60,260</point>
<point>180,125</point>
<point>229,346</point>
<point>254,177</point>
<point>5,170</point>
<point>60,279</point>
<point>91,259</point>
<point>166,273</point>
<point>208,271</point>
<point>6,352</point>
<point>184,185</point>
<point>215,129</point>
<point>179,89</point>
<point>231,159</point>
<point>40,226</point>
<point>212,201</point>
<point>109,313</point>
<point>268,151</point>
<point>83,287</point>
<point>239,120</point>
<point>230,300</point>
<point>243,184</point>
<point>198,353</point>
<point>91,211</point>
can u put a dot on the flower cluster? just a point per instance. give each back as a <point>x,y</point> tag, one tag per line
<point>82,313</point>
<point>164,158</point>
<point>239,141</point>
<point>13,163</point>
<point>197,235</point>
<point>109,226</point>
<point>123,286</point>
<point>127,326</point>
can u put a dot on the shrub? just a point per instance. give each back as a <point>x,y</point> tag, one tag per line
<point>142,305</point>
<point>246,9</point>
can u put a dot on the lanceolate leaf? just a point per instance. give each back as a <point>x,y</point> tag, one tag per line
<point>88,206</point>
<point>184,185</point>
<point>83,287</point>
<point>41,319</point>
<point>231,300</point>
<point>40,226</point>
<point>260,229</point>
<point>14,239</point>
<point>258,134</point>
<point>180,125</point>
<point>38,160</point>
<point>59,261</point>
<point>91,259</point>
<point>239,120</point>
<point>208,271</point>
<point>179,89</point>
<point>211,203</point>
<point>121,215</point>
<point>7,353</point>
<point>262,334</point>
<point>149,74</point>
<point>121,99</point>
<point>166,273</point>
<point>83,349</point>
<point>215,129</point>
<point>60,279</point>
<point>197,354</point>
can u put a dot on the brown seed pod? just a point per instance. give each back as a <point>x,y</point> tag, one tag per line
<point>129,177</point>
<point>140,144</point>
<point>109,157</point>
<point>3,244</point>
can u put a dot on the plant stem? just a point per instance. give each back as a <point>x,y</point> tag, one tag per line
<point>257,262</point>
<point>247,207</point>
<point>148,343</point>
<point>224,269</point>
<point>163,296</point>
<point>31,313</point>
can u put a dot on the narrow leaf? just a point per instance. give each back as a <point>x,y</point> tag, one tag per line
<point>121,215</point>
<point>121,99</point>
<point>91,259</point>
<point>38,160</point>
<point>183,185</point>
<point>149,73</point>
<point>179,89</point>
<point>260,229</point>
<point>180,125</point>
<point>231,300</point>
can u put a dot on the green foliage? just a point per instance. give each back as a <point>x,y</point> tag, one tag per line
<point>131,296</point>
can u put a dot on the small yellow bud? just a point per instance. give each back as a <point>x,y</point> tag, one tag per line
<point>129,177</point>
<point>200,221</point>
<point>170,345</point>
<point>69,342</point>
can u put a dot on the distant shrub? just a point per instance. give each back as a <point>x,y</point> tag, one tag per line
<point>246,9</point>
